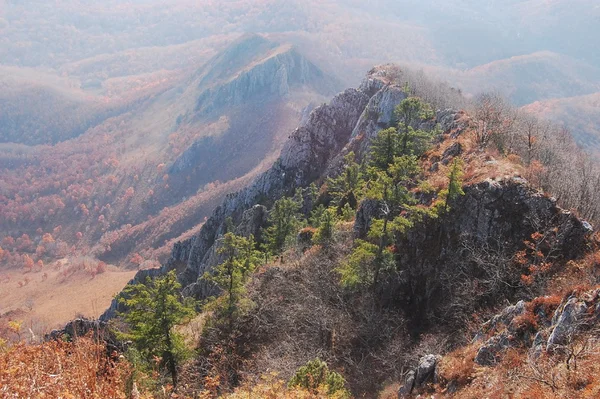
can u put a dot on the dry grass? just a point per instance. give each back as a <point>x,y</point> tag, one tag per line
<point>459,366</point>
<point>56,369</point>
<point>271,387</point>
<point>519,376</point>
<point>49,302</point>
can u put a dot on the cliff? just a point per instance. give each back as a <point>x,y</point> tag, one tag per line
<point>500,241</point>
<point>494,213</point>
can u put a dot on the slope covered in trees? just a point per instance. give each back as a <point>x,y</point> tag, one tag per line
<point>121,191</point>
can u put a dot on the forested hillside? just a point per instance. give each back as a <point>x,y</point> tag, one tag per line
<point>120,192</point>
<point>364,261</point>
<point>189,210</point>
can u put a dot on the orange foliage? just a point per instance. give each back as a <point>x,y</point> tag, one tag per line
<point>136,259</point>
<point>47,238</point>
<point>27,263</point>
<point>58,369</point>
<point>459,366</point>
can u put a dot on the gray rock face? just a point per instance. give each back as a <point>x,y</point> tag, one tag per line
<point>491,350</point>
<point>566,322</point>
<point>452,123</point>
<point>425,373</point>
<point>489,353</point>
<point>494,215</point>
<point>367,211</point>
<point>378,114</point>
<point>554,331</point>
<point>511,210</point>
<point>426,369</point>
<point>273,76</point>
<point>302,161</point>
<point>505,317</point>
<point>252,221</point>
<point>408,386</point>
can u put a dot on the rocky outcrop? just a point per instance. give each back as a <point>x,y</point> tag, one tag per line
<point>282,69</point>
<point>348,122</point>
<point>378,113</point>
<point>418,378</point>
<point>83,327</point>
<point>505,211</point>
<point>554,331</point>
<point>490,351</point>
<point>470,243</point>
<point>367,211</point>
<point>251,222</point>
<point>352,118</point>
<point>303,159</point>
<point>567,321</point>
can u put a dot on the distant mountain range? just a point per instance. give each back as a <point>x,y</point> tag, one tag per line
<point>165,156</point>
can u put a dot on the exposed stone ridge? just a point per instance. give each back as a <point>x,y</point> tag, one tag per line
<point>276,74</point>
<point>303,158</point>
<point>492,210</point>
<point>577,312</point>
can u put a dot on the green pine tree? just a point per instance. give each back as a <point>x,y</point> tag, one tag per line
<point>284,224</point>
<point>384,147</point>
<point>454,189</point>
<point>315,375</point>
<point>154,309</point>
<point>409,113</point>
<point>397,209</point>
<point>326,228</point>
<point>241,258</point>
<point>345,188</point>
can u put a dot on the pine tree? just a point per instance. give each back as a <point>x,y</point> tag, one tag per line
<point>241,258</point>
<point>324,234</point>
<point>358,269</point>
<point>384,147</point>
<point>391,189</point>
<point>455,183</point>
<point>154,309</point>
<point>412,110</point>
<point>344,189</point>
<point>285,222</point>
<point>408,113</point>
<point>315,375</point>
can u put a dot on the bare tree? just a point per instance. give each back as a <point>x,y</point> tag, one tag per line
<point>495,120</point>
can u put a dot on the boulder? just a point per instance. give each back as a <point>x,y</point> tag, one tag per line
<point>567,321</point>
<point>453,151</point>
<point>426,370</point>
<point>367,211</point>
<point>489,353</point>
<point>409,383</point>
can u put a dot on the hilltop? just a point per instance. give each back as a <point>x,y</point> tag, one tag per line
<point>452,266</point>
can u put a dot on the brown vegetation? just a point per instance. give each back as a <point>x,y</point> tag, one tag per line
<point>81,369</point>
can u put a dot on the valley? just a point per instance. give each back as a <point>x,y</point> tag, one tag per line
<point>299,199</point>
